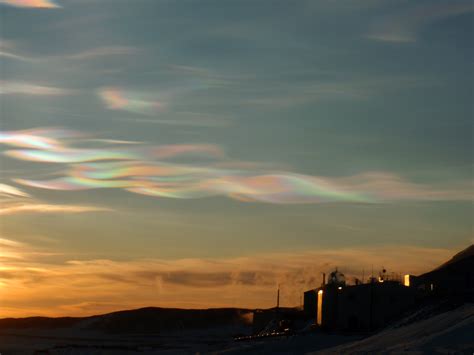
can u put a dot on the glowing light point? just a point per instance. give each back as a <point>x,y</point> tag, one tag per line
<point>406,280</point>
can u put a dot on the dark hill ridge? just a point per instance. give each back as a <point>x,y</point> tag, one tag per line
<point>152,320</point>
<point>39,322</point>
<point>453,280</point>
<point>144,320</point>
<point>464,254</point>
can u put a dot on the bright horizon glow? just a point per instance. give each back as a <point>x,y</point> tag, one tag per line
<point>241,282</point>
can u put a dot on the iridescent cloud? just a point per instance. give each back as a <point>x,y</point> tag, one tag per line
<point>118,99</point>
<point>150,170</point>
<point>70,155</point>
<point>190,181</point>
<point>72,183</point>
<point>51,145</point>
<point>44,139</point>
<point>66,155</point>
<point>45,4</point>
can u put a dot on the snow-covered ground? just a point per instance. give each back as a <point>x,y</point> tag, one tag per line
<point>80,341</point>
<point>446,333</point>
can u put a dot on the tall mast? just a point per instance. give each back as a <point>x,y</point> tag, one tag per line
<point>278,297</point>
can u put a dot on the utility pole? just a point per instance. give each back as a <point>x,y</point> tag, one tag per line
<point>278,297</point>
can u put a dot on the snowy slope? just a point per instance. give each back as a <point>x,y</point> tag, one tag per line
<point>446,333</point>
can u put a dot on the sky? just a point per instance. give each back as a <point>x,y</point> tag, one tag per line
<point>200,153</point>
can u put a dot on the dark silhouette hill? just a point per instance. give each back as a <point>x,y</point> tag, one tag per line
<point>151,320</point>
<point>39,322</point>
<point>453,280</point>
<point>464,254</point>
<point>144,320</point>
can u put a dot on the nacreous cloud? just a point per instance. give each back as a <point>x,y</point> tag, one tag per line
<point>42,4</point>
<point>36,138</point>
<point>150,170</point>
<point>118,99</point>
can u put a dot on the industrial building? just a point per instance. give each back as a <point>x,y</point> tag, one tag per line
<point>362,307</point>
<point>359,307</point>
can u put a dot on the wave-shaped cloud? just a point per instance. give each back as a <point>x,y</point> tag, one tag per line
<point>152,171</point>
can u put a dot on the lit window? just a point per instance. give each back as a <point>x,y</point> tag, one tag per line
<point>406,280</point>
<point>319,316</point>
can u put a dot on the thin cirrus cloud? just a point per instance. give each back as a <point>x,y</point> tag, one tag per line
<point>9,250</point>
<point>10,243</point>
<point>11,55</point>
<point>405,26</point>
<point>102,52</point>
<point>24,88</point>
<point>154,171</point>
<point>125,100</point>
<point>10,50</point>
<point>40,4</point>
